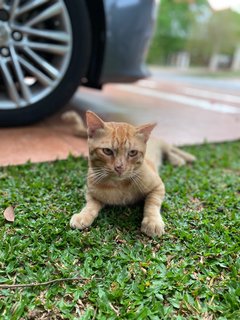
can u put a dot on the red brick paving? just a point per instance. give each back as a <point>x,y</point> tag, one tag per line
<point>47,141</point>
<point>178,124</point>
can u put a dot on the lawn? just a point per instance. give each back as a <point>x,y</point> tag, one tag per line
<point>192,272</point>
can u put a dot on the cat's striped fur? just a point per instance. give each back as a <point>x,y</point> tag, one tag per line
<point>123,169</point>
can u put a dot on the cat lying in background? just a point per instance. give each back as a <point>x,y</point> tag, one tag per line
<point>123,169</point>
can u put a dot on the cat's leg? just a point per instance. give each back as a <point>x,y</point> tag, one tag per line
<point>174,155</point>
<point>87,215</point>
<point>152,223</point>
<point>175,159</point>
<point>184,155</point>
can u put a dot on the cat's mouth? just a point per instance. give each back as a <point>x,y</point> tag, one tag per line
<point>119,176</point>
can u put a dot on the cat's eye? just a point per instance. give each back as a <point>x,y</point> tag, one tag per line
<point>107,151</point>
<point>132,153</point>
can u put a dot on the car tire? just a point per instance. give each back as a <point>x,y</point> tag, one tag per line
<point>76,69</point>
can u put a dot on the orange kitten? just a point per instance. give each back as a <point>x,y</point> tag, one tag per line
<point>123,169</point>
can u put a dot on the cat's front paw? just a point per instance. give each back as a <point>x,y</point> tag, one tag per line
<point>81,221</point>
<point>153,227</point>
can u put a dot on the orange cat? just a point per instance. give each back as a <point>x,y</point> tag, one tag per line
<point>123,169</point>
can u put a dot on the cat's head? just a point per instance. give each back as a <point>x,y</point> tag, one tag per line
<point>116,148</point>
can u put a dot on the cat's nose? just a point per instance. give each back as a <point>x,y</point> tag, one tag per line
<point>119,169</point>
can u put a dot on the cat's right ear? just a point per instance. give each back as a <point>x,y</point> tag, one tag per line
<point>94,123</point>
<point>145,130</point>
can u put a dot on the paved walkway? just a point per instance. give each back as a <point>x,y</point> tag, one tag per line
<point>188,110</point>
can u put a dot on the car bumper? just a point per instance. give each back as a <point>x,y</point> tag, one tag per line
<point>129,28</point>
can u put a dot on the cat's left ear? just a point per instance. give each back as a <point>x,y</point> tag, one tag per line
<point>94,123</point>
<point>145,130</point>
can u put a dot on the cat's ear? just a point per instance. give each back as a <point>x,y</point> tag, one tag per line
<point>94,123</point>
<point>145,130</point>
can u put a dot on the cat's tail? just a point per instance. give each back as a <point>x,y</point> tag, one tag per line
<point>72,117</point>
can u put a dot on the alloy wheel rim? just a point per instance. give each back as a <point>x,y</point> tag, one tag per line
<point>35,50</point>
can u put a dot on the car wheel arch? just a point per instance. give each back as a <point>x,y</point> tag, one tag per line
<point>98,38</point>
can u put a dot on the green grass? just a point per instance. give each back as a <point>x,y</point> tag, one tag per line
<point>192,272</point>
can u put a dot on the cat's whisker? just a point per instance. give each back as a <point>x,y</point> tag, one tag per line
<point>140,183</point>
<point>97,180</point>
<point>98,176</point>
<point>136,185</point>
<point>105,170</point>
<point>97,171</point>
<point>137,182</point>
<point>134,182</point>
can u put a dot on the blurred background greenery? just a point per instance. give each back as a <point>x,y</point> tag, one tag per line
<point>195,33</point>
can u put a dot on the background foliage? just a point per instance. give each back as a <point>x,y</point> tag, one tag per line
<point>192,26</point>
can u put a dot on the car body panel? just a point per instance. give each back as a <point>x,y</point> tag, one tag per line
<point>129,28</point>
